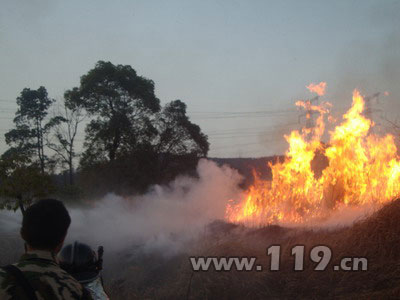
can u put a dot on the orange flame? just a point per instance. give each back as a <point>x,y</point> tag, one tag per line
<point>319,88</point>
<point>363,169</point>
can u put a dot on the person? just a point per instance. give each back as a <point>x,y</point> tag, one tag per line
<point>38,275</point>
<point>82,262</point>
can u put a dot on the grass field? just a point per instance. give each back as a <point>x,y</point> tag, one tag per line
<point>138,274</point>
<point>377,238</point>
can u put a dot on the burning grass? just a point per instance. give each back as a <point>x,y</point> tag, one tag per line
<point>363,169</point>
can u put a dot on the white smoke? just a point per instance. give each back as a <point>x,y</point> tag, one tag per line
<point>162,221</point>
<point>342,216</point>
<point>164,218</point>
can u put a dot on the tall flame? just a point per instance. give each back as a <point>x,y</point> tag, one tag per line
<point>363,169</point>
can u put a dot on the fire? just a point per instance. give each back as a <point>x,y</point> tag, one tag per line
<point>363,169</point>
<point>319,88</point>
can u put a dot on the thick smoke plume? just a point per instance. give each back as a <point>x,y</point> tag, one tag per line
<point>165,217</point>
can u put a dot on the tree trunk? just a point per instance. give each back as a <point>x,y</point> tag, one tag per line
<point>115,145</point>
<point>21,205</point>
<point>71,173</point>
<point>40,145</point>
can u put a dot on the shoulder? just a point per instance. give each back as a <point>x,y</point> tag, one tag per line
<point>50,281</point>
<point>7,285</point>
<point>2,275</point>
<point>5,280</point>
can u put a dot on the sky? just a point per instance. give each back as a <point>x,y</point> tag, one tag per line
<point>238,65</point>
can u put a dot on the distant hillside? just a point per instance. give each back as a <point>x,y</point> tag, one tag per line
<point>246,166</point>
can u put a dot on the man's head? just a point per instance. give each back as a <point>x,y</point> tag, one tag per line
<point>45,225</point>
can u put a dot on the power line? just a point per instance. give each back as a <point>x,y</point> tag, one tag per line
<point>243,130</point>
<point>243,112</point>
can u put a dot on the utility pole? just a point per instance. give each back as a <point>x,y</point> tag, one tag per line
<point>308,114</point>
<point>369,110</point>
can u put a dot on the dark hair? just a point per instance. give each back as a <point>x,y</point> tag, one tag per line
<point>45,224</point>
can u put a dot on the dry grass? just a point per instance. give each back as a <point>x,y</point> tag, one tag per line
<point>377,238</point>
<point>140,275</point>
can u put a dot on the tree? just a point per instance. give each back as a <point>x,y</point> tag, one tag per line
<point>179,143</point>
<point>177,135</point>
<point>130,142</point>
<point>31,128</point>
<point>121,105</point>
<point>21,180</point>
<point>65,128</point>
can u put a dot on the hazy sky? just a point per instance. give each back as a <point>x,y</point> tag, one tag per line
<point>220,57</point>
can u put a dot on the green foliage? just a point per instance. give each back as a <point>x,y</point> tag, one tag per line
<point>121,105</point>
<point>177,135</point>
<point>130,142</point>
<point>125,175</point>
<point>63,135</point>
<point>126,117</point>
<point>21,181</point>
<point>71,194</point>
<point>23,166</point>
<point>30,126</point>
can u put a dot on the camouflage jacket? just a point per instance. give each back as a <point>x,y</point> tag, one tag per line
<point>45,276</point>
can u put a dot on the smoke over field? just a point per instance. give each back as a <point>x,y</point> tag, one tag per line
<point>165,217</point>
<point>148,238</point>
